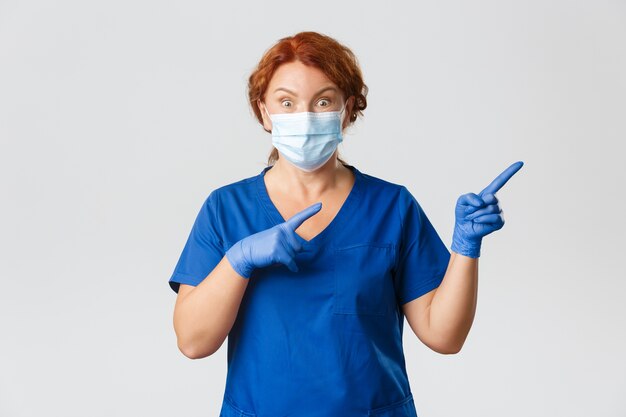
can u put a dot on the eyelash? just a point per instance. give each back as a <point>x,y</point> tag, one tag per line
<point>324,99</point>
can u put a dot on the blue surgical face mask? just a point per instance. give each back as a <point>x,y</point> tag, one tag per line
<point>307,139</point>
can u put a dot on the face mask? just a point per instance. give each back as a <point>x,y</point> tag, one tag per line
<point>307,139</point>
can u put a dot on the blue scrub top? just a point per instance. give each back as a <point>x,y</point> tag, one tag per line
<point>326,340</point>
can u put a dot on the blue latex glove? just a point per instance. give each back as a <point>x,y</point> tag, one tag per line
<point>479,215</point>
<point>270,246</point>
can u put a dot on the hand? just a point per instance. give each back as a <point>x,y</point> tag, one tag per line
<point>479,215</point>
<point>276,244</point>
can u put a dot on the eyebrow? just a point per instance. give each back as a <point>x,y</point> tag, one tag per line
<point>294,94</point>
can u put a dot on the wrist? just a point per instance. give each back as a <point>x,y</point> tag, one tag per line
<point>466,247</point>
<point>237,260</point>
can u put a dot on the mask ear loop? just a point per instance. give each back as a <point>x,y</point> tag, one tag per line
<point>341,115</point>
<point>265,108</point>
<point>268,114</point>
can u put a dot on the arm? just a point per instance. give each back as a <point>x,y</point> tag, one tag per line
<point>442,318</point>
<point>204,315</point>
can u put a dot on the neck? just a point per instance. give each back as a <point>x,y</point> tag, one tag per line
<point>290,179</point>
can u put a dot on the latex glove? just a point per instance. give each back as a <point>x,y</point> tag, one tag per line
<point>479,215</point>
<point>277,244</point>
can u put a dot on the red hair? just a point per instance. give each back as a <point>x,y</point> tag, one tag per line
<point>335,60</point>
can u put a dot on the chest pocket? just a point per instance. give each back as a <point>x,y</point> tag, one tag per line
<point>362,278</point>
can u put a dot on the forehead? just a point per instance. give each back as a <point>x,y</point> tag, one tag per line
<point>299,77</point>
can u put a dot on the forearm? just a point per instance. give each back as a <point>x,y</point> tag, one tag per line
<point>453,306</point>
<point>203,318</point>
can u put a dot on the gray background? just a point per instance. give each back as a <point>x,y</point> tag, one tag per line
<point>118,118</point>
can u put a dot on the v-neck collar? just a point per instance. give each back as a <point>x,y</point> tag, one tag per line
<point>344,212</point>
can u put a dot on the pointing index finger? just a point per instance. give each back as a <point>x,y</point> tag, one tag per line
<point>501,179</point>
<point>297,219</point>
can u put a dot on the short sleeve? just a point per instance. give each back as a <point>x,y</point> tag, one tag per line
<point>422,258</point>
<point>203,249</point>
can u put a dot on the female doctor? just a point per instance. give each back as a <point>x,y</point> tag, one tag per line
<point>310,266</point>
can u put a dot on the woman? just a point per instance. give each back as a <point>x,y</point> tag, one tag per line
<point>311,266</point>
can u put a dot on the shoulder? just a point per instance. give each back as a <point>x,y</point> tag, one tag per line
<point>237,190</point>
<point>383,192</point>
<point>386,188</point>
<point>375,182</point>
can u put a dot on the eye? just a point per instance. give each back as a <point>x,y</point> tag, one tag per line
<point>286,103</point>
<point>324,102</point>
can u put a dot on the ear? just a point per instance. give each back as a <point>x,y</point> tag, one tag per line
<point>348,112</point>
<point>267,123</point>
